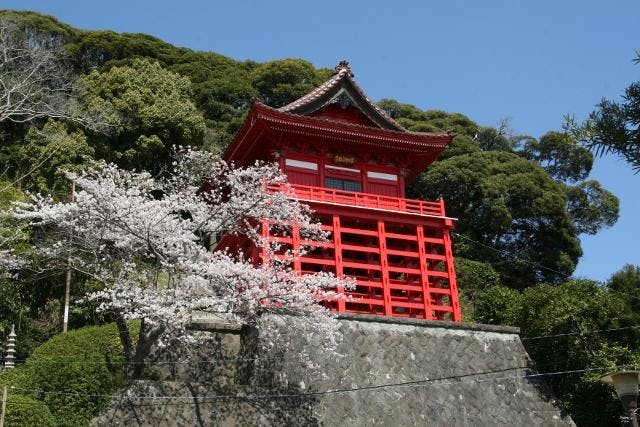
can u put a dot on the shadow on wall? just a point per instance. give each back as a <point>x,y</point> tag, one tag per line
<point>215,381</point>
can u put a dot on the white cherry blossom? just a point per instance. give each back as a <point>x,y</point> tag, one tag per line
<point>144,240</point>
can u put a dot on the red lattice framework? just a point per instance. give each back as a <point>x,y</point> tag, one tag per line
<point>397,250</point>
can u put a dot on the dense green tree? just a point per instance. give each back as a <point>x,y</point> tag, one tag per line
<point>626,284</point>
<point>472,278</point>
<point>72,374</point>
<point>492,139</point>
<point>510,212</point>
<point>560,155</point>
<point>148,109</point>
<point>46,153</point>
<point>280,82</point>
<point>578,306</point>
<point>592,207</point>
<point>26,411</point>
<point>558,324</point>
<point>498,305</point>
<point>415,119</point>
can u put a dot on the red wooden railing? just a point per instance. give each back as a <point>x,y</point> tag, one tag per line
<point>365,200</point>
<point>402,267</point>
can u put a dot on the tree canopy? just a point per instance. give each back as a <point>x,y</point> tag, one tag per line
<point>512,209</point>
<point>148,109</point>
<point>575,326</point>
<point>614,126</point>
<point>521,201</point>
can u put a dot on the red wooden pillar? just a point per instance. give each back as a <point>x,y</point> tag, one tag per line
<point>453,287</point>
<point>264,230</point>
<point>424,275</point>
<point>337,252</point>
<point>384,272</point>
<point>295,243</point>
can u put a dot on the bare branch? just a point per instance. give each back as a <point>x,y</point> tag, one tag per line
<point>36,81</point>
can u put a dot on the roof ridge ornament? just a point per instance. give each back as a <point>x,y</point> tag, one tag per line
<point>343,65</point>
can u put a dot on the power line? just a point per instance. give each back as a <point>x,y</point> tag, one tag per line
<point>594,331</point>
<point>503,252</point>
<point>463,378</point>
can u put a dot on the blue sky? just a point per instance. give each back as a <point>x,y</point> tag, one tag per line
<point>529,61</point>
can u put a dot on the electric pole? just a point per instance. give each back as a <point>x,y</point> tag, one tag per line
<point>67,278</point>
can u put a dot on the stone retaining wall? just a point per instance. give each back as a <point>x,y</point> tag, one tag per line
<point>392,373</point>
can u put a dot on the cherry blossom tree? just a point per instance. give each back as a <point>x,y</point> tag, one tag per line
<point>141,239</point>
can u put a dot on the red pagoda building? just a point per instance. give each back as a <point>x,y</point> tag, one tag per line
<point>350,161</point>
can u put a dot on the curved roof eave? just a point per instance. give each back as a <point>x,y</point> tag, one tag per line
<point>326,93</point>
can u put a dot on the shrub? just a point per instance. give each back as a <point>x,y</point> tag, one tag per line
<point>25,411</point>
<point>85,365</point>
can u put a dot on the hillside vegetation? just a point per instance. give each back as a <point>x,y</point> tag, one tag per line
<point>522,201</point>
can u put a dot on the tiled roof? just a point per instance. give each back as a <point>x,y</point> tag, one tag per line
<point>444,135</point>
<point>325,93</point>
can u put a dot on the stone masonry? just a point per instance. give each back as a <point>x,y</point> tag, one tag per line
<point>392,372</point>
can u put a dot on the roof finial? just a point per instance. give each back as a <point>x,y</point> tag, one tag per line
<point>343,65</point>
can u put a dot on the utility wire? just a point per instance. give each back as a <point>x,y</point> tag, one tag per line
<point>448,380</point>
<point>594,331</point>
<point>502,252</point>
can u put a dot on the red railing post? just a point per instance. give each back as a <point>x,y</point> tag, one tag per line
<point>424,275</point>
<point>337,252</point>
<point>295,243</point>
<point>453,287</point>
<point>384,268</point>
<point>265,250</point>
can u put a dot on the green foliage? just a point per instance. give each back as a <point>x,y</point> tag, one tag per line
<point>498,305</point>
<point>25,411</point>
<point>86,361</point>
<point>475,275</point>
<point>472,278</point>
<point>512,208</point>
<point>491,139</point>
<point>614,127</point>
<point>626,284</point>
<point>460,145</point>
<point>573,307</point>
<point>46,153</point>
<point>12,235</point>
<point>592,206</point>
<point>558,321</point>
<point>280,82</point>
<point>222,89</point>
<point>41,23</point>
<point>560,155</point>
<point>417,120</point>
<point>149,109</point>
